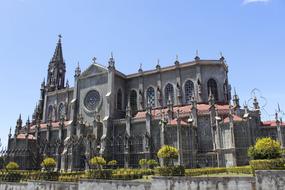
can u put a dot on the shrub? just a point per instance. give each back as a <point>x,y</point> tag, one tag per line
<point>99,174</point>
<point>71,176</point>
<point>210,171</point>
<point>170,171</point>
<point>130,174</point>
<point>48,164</point>
<point>12,166</point>
<point>168,154</point>
<point>97,162</point>
<point>152,163</point>
<point>143,163</point>
<point>265,148</point>
<point>112,163</point>
<point>267,164</point>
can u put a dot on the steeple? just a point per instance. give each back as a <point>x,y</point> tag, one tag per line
<point>56,69</point>
<point>111,62</point>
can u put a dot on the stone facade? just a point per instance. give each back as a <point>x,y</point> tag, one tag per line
<point>129,117</point>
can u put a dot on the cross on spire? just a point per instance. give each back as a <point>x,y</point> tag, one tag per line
<point>94,59</point>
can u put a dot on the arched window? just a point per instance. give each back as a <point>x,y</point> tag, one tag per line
<point>150,96</point>
<point>50,112</point>
<point>119,99</point>
<point>133,100</point>
<point>212,85</point>
<point>189,91</point>
<point>61,111</point>
<point>169,92</point>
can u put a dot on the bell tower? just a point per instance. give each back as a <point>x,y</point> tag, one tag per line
<point>56,69</point>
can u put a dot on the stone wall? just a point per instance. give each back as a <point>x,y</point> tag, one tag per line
<point>270,180</point>
<point>264,180</point>
<point>201,183</point>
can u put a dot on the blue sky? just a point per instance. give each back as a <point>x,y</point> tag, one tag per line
<point>250,33</point>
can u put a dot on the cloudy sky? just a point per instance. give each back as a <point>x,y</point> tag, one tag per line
<point>250,33</point>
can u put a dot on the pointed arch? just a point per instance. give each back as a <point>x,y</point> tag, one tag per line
<point>50,112</point>
<point>119,99</point>
<point>188,91</point>
<point>168,92</point>
<point>212,85</point>
<point>61,111</point>
<point>150,96</point>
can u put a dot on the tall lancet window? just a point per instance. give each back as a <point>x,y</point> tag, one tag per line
<point>212,85</point>
<point>133,100</point>
<point>189,91</point>
<point>169,92</point>
<point>119,99</point>
<point>50,112</point>
<point>150,97</point>
<point>61,111</point>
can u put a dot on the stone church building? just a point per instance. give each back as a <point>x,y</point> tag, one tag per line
<point>129,117</point>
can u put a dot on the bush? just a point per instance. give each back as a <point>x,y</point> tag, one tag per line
<point>12,166</point>
<point>211,171</point>
<point>170,171</point>
<point>99,174</point>
<point>168,154</point>
<point>11,176</point>
<point>112,163</point>
<point>71,176</point>
<point>143,163</point>
<point>152,163</point>
<point>48,164</point>
<point>130,174</point>
<point>267,164</point>
<point>265,148</point>
<point>97,162</point>
<point>48,176</point>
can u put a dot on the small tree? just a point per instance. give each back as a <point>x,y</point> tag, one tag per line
<point>48,164</point>
<point>112,163</point>
<point>143,163</point>
<point>97,162</point>
<point>168,154</point>
<point>152,163</point>
<point>265,148</point>
<point>12,166</point>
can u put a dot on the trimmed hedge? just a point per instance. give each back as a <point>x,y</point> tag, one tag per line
<point>170,171</point>
<point>99,174</point>
<point>71,176</point>
<point>211,171</point>
<point>268,164</point>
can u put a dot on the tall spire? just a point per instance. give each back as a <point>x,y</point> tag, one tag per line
<point>56,69</point>
<point>58,56</point>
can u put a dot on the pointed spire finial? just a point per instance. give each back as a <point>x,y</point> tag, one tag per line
<point>77,70</point>
<point>197,55</point>
<point>158,64</point>
<point>221,56</point>
<point>140,69</point>
<point>176,60</point>
<point>111,61</point>
<point>94,59</point>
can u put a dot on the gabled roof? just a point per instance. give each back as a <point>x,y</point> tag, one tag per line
<point>94,68</point>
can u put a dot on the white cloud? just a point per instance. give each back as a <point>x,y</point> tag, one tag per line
<point>255,1</point>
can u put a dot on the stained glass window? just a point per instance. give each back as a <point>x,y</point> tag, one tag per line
<point>150,96</point>
<point>169,92</point>
<point>92,100</point>
<point>212,85</point>
<point>189,90</point>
